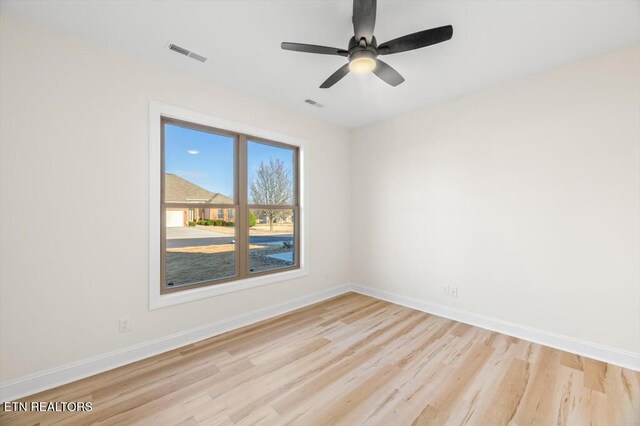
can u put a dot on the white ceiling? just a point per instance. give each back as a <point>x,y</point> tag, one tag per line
<point>493,41</point>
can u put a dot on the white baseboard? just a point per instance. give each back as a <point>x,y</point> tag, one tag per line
<point>607,354</point>
<point>24,386</point>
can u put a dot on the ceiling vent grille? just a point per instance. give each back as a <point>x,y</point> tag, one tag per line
<point>186,52</point>
<point>314,103</point>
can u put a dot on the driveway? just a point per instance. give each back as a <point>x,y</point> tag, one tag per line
<point>191,232</point>
<point>193,237</point>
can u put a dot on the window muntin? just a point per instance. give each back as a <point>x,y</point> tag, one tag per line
<point>217,242</point>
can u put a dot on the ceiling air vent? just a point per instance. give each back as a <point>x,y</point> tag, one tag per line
<point>186,52</point>
<point>314,103</point>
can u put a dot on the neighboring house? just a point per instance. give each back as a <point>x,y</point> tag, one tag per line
<point>179,190</point>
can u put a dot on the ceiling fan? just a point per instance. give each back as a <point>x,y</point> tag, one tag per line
<point>363,50</point>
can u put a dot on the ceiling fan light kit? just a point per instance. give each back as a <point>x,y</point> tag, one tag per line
<point>363,49</point>
<point>362,62</point>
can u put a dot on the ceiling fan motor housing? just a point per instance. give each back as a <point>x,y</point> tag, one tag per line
<point>362,54</point>
<point>356,46</point>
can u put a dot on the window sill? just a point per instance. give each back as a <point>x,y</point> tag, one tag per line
<point>157,300</point>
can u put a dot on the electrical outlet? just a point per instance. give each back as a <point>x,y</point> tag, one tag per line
<point>453,291</point>
<point>445,290</point>
<point>125,324</point>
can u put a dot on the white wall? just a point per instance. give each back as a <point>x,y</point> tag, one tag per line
<point>74,198</point>
<point>524,196</point>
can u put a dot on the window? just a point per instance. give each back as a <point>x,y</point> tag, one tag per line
<point>229,206</point>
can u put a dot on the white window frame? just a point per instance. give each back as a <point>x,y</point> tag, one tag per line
<point>157,110</point>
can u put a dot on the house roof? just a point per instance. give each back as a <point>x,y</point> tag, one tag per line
<point>179,190</point>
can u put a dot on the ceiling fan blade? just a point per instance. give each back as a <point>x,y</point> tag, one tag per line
<point>335,77</point>
<point>387,73</point>
<point>364,19</point>
<point>416,40</point>
<point>312,48</point>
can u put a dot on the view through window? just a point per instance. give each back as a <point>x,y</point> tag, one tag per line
<point>229,206</point>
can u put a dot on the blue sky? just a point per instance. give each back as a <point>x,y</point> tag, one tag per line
<point>206,159</point>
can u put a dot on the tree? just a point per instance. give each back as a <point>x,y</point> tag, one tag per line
<point>272,185</point>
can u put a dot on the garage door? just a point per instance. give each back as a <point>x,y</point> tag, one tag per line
<point>175,218</point>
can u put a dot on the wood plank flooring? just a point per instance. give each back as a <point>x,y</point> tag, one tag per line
<point>354,360</point>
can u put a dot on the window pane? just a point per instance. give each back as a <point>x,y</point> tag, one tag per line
<point>199,246</point>
<point>199,166</point>
<point>271,239</point>
<point>270,173</point>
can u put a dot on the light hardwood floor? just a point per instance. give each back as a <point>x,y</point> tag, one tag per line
<point>355,360</point>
